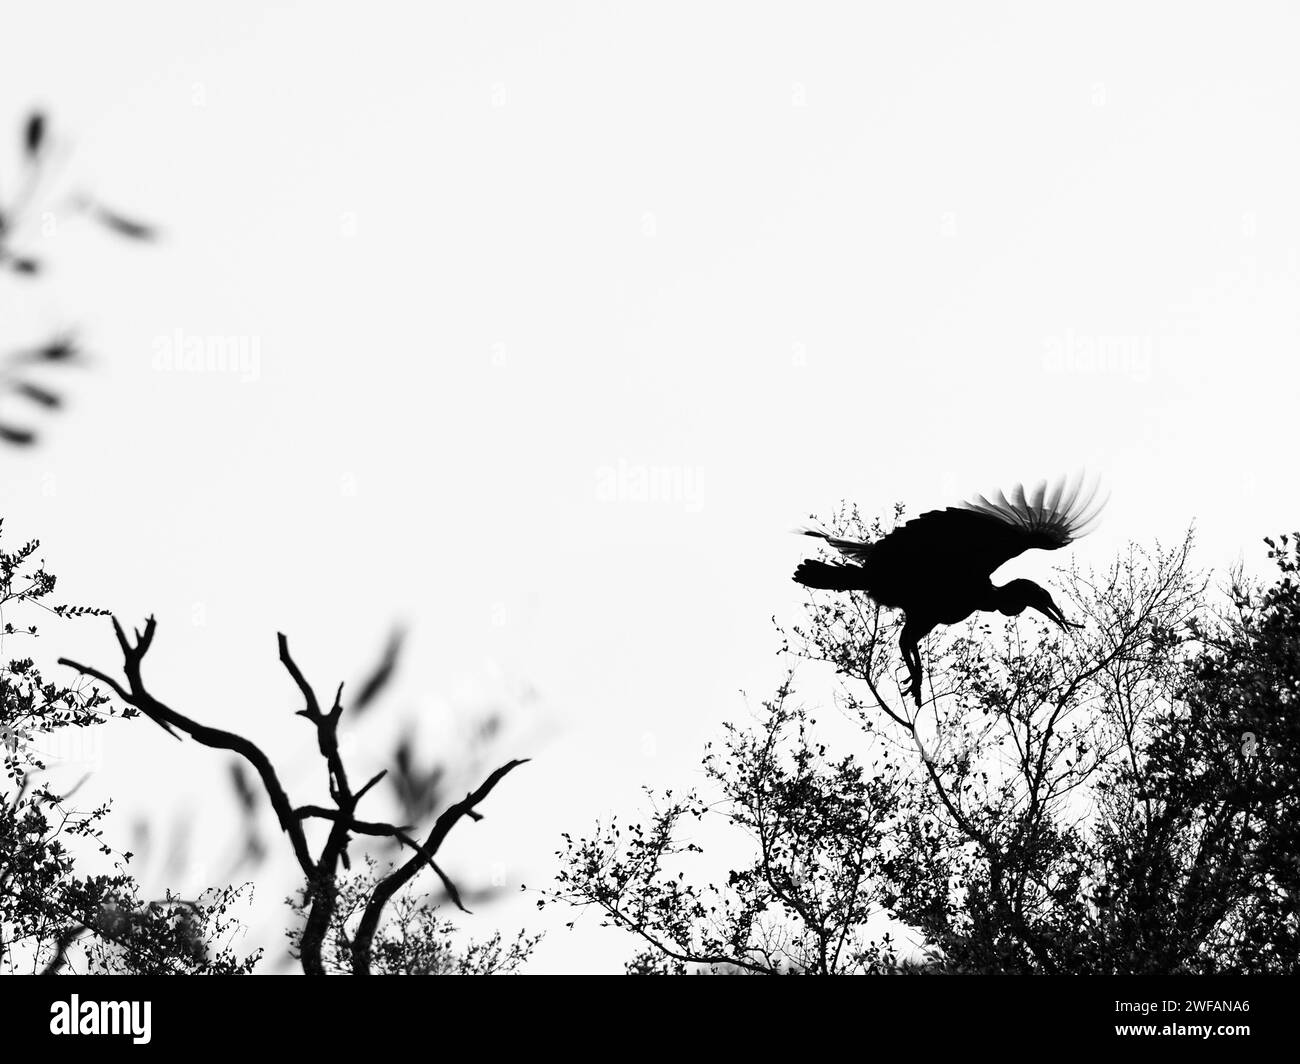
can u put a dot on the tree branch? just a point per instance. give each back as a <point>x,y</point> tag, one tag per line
<point>364,938</point>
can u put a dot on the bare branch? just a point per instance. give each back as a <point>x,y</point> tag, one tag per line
<point>391,884</point>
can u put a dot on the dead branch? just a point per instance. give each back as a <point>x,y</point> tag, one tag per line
<point>319,871</point>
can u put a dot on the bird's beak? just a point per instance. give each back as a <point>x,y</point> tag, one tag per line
<point>1053,611</point>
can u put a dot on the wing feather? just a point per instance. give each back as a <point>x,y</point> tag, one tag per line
<point>1044,519</point>
<point>856,549</point>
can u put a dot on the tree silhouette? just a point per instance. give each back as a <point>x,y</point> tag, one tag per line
<point>412,940</point>
<point>337,906</point>
<point>815,877</point>
<point>1116,799</point>
<point>1216,886</point>
<point>50,914</point>
<point>321,869</point>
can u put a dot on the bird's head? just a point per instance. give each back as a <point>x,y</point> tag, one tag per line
<point>1015,597</point>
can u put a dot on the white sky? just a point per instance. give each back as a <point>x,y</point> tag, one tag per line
<point>499,262</point>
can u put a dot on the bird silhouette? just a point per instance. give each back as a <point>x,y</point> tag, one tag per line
<point>936,567</point>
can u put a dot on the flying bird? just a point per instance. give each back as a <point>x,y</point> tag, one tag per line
<point>936,567</point>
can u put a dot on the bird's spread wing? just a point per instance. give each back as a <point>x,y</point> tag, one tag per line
<point>1045,518</point>
<point>977,537</point>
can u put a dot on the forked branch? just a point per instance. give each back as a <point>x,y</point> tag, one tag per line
<point>320,871</point>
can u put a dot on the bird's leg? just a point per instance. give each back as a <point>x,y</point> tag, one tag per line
<point>907,643</point>
<point>916,675</point>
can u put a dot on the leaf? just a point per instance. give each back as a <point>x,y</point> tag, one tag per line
<point>34,134</point>
<point>243,789</point>
<point>124,226</point>
<point>18,437</point>
<point>383,673</point>
<point>62,349</point>
<point>37,394</point>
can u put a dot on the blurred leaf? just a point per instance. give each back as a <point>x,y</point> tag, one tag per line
<point>244,791</point>
<point>124,226</point>
<point>383,673</point>
<point>19,437</point>
<point>37,394</point>
<point>34,134</point>
<point>60,349</point>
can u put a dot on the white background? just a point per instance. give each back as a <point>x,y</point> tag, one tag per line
<point>499,261</point>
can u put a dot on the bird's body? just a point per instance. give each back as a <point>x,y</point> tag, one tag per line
<point>937,567</point>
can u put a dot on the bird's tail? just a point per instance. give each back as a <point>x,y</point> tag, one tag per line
<point>829,577</point>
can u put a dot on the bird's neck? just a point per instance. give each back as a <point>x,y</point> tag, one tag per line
<point>996,598</point>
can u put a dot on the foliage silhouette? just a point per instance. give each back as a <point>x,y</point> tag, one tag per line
<point>1119,798</point>
<point>51,918</point>
<point>413,940</point>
